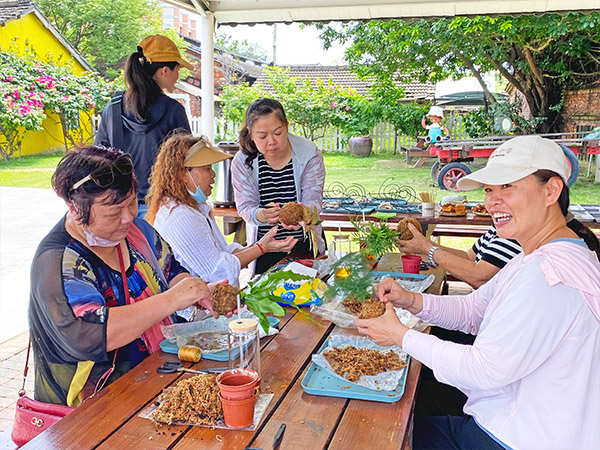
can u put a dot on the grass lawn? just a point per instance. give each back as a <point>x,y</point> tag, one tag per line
<point>370,172</point>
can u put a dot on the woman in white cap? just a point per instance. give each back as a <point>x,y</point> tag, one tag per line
<point>180,185</point>
<point>531,375</point>
<point>139,120</point>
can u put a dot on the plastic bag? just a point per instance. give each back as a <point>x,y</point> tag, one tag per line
<point>301,293</point>
<point>335,312</point>
<point>384,381</point>
<point>209,334</point>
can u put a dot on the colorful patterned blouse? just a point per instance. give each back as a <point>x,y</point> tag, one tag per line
<point>71,293</point>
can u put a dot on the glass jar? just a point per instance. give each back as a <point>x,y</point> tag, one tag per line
<point>244,344</point>
<point>340,246</point>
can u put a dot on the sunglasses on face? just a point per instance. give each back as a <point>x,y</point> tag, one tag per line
<point>105,176</point>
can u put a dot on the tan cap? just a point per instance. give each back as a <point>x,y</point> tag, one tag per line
<point>159,48</point>
<point>516,159</point>
<point>200,154</point>
<point>243,325</point>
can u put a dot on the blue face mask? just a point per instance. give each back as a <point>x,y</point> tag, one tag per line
<point>199,196</point>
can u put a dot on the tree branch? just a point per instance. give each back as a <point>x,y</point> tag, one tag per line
<point>477,75</point>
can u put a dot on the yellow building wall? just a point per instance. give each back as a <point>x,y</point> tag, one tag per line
<point>30,28</point>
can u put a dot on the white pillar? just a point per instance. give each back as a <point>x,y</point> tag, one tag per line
<point>208,76</point>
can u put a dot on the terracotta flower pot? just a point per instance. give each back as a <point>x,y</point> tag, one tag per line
<point>360,145</point>
<point>238,413</point>
<point>238,384</point>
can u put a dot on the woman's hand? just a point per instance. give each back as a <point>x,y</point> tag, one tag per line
<point>389,291</point>
<point>270,214</point>
<point>418,243</point>
<point>384,330</point>
<point>190,290</point>
<point>270,244</point>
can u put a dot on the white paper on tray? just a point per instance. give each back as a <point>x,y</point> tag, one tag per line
<point>334,311</point>
<point>385,381</point>
<point>210,334</point>
<point>300,269</point>
<point>260,406</point>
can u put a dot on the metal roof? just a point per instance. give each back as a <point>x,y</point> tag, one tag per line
<point>232,12</point>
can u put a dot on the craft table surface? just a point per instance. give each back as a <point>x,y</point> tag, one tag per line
<point>110,419</point>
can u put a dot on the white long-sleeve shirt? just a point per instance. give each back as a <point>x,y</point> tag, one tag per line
<point>532,376</point>
<point>198,243</point>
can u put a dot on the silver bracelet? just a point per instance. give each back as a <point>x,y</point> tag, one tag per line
<point>431,252</point>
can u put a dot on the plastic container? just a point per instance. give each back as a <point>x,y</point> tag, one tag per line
<point>238,384</point>
<point>411,263</point>
<point>340,245</point>
<point>244,345</point>
<point>238,413</point>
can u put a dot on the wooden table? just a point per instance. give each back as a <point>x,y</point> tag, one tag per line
<point>110,420</point>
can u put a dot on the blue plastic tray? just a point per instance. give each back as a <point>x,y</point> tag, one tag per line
<point>406,209</point>
<point>353,209</point>
<point>319,381</point>
<point>377,275</point>
<point>223,355</point>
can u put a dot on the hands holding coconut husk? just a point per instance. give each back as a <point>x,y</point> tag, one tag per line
<point>387,329</point>
<point>292,216</point>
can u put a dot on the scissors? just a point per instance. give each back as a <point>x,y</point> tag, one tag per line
<point>175,366</point>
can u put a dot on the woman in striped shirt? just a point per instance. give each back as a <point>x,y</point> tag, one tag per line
<point>273,168</point>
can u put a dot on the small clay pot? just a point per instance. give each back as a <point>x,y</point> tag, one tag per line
<point>238,384</point>
<point>238,413</point>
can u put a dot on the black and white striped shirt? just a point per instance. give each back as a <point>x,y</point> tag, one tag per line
<point>276,186</point>
<point>494,250</point>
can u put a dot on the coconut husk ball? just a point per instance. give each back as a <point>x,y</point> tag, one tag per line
<point>372,308</point>
<point>224,298</point>
<point>291,214</point>
<point>405,234</point>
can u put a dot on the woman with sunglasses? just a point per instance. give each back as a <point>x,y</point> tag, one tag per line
<point>90,324</point>
<point>180,184</point>
<point>139,120</point>
<point>531,375</point>
<point>275,167</point>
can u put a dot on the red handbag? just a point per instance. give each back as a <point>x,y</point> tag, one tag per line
<point>32,417</point>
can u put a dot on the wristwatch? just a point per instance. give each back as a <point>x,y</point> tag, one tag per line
<point>431,252</point>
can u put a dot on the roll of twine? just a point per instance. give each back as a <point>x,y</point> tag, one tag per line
<point>190,353</point>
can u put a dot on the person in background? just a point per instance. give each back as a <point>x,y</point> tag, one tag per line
<point>531,374</point>
<point>140,119</point>
<point>275,167</point>
<point>180,184</point>
<point>475,266</point>
<point>89,324</point>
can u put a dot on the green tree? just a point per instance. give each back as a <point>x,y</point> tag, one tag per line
<point>541,56</point>
<point>241,48</point>
<point>104,31</point>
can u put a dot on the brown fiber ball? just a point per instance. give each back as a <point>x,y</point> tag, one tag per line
<point>291,214</point>
<point>372,308</point>
<point>224,298</point>
<point>405,234</point>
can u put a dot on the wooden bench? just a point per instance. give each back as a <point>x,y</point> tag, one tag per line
<point>469,231</point>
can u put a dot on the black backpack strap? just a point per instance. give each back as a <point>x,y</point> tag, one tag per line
<point>116,137</point>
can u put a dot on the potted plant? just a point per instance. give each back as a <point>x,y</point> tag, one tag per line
<point>357,116</point>
<point>356,286</point>
<point>375,239</point>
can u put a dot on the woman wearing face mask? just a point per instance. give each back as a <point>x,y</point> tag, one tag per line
<point>87,320</point>
<point>273,168</point>
<point>180,185</point>
<point>140,119</point>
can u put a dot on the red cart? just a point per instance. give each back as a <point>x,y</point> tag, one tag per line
<point>452,155</point>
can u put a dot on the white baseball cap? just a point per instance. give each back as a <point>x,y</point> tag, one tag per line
<point>517,158</point>
<point>436,111</point>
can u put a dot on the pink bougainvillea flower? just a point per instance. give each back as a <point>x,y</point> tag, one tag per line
<point>347,108</point>
<point>333,105</point>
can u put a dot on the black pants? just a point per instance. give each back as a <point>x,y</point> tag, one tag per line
<point>268,260</point>
<point>448,432</point>
<point>435,398</point>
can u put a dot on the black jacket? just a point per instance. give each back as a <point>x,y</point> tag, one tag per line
<point>142,139</point>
